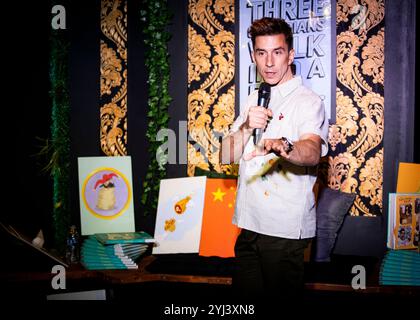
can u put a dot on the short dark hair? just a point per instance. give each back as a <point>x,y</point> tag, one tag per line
<point>271,26</point>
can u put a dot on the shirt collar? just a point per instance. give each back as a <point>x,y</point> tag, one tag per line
<point>287,87</point>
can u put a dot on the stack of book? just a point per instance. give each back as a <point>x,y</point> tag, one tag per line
<point>114,250</point>
<point>400,267</point>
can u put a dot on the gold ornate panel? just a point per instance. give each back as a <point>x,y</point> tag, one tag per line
<point>113,101</point>
<point>211,90</point>
<point>355,159</point>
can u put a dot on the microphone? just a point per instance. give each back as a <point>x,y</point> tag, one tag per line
<point>263,99</point>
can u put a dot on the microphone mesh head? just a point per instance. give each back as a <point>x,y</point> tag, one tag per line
<point>264,89</point>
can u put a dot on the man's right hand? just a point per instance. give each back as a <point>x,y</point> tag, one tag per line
<point>257,118</point>
<point>233,145</point>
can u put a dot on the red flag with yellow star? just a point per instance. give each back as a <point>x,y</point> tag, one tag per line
<point>218,234</point>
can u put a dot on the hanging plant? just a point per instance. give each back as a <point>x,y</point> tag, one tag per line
<point>155,18</point>
<point>59,164</point>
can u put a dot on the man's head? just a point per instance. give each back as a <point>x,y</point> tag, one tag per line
<point>272,41</point>
<point>271,26</point>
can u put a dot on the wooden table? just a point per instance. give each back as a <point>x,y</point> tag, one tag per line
<point>141,275</point>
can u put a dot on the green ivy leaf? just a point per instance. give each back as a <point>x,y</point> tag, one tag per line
<point>155,18</point>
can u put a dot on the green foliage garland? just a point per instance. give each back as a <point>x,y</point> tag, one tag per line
<point>155,18</point>
<point>60,136</point>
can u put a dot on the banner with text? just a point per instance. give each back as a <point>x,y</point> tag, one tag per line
<point>313,25</point>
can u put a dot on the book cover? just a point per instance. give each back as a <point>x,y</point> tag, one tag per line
<point>400,273</point>
<point>398,264</point>
<point>107,260</point>
<point>107,266</point>
<point>400,278</point>
<point>403,255</point>
<point>403,220</point>
<point>397,281</point>
<point>127,237</point>
<point>408,179</point>
<point>400,267</point>
<point>393,265</point>
<point>92,247</point>
<point>100,257</point>
<point>138,248</point>
<point>106,196</point>
<point>111,252</point>
<point>132,245</point>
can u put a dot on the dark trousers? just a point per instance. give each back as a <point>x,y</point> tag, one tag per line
<point>268,266</point>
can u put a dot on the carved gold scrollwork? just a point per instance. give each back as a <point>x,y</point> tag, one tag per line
<point>343,9</point>
<point>371,179</point>
<point>373,57</point>
<point>114,22</point>
<point>211,90</point>
<point>198,55</point>
<point>113,130</point>
<point>346,122</point>
<point>356,163</point>
<point>225,8</point>
<point>200,12</point>
<point>369,13</point>
<point>348,74</point>
<point>110,69</point>
<point>366,14</point>
<point>341,172</point>
<point>371,125</point>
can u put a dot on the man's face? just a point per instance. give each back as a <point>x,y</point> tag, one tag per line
<point>273,58</point>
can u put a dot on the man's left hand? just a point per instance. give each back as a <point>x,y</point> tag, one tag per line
<point>276,146</point>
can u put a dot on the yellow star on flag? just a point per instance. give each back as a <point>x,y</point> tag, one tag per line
<point>218,195</point>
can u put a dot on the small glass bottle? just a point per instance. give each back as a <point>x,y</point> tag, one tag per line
<point>73,246</point>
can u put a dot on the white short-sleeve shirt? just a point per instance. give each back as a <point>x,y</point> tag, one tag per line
<point>275,197</point>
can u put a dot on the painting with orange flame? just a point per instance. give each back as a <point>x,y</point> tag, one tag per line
<point>179,215</point>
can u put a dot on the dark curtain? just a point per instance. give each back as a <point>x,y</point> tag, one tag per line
<point>84,26</point>
<point>26,111</point>
<point>400,55</point>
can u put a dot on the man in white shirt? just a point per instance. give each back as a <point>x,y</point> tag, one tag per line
<point>275,205</point>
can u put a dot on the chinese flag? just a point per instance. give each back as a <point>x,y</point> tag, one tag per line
<point>218,234</point>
